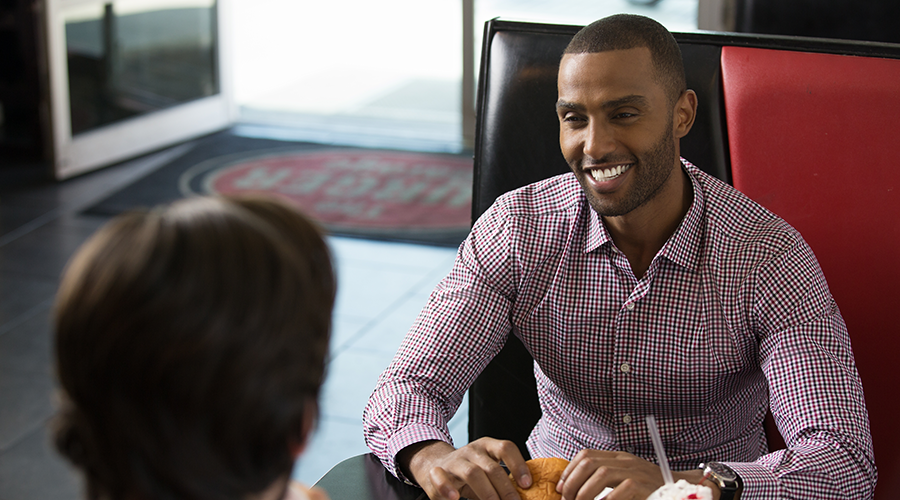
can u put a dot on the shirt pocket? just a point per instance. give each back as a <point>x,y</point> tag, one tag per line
<point>721,363</point>
<point>723,346</point>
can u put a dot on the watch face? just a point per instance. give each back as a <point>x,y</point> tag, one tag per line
<point>723,471</point>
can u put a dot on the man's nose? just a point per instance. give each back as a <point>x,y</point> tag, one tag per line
<point>600,140</point>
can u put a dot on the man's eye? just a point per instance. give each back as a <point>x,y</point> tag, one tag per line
<point>624,115</point>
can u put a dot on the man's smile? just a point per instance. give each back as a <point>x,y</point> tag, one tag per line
<point>610,173</point>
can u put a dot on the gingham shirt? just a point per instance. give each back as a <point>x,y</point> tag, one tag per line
<point>733,305</point>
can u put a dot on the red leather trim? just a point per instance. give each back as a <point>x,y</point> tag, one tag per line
<point>816,139</point>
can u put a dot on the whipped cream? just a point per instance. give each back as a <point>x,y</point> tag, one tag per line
<point>682,490</point>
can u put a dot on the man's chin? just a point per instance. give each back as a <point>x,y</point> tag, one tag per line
<point>603,204</point>
<point>605,208</point>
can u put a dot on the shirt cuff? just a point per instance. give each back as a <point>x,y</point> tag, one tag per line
<point>759,481</point>
<point>411,435</point>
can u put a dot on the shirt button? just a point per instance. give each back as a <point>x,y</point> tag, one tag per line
<point>629,449</point>
<point>629,306</point>
<point>625,367</point>
<point>626,419</point>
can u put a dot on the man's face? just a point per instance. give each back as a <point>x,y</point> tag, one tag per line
<point>615,128</point>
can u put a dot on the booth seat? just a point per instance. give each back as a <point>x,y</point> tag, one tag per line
<point>806,127</point>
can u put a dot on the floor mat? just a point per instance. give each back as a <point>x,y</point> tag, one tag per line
<point>379,194</point>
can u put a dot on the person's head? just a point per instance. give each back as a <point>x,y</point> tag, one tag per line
<point>190,349</point>
<point>623,107</point>
<point>629,31</point>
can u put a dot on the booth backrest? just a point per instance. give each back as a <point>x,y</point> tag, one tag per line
<point>814,138</point>
<point>874,20</point>
<point>840,190</point>
<point>516,144</point>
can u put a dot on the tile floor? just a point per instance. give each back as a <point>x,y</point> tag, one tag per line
<point>382,286</point>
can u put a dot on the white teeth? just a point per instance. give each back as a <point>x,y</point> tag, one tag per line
<point>609,173</point>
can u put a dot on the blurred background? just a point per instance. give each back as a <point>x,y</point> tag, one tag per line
<point>87,83</point>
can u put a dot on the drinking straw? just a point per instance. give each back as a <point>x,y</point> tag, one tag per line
<point>658,447</point>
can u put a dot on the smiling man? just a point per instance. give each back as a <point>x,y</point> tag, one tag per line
<point>618,131</point>
<point>641,286</point>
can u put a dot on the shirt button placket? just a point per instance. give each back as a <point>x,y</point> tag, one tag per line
<point>624,367</point>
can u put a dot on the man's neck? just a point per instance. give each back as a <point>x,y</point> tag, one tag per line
<point>641,233</point>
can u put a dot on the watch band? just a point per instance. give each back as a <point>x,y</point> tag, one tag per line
<point>728,481</point>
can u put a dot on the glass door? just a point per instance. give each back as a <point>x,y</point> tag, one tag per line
<point>131,76</point>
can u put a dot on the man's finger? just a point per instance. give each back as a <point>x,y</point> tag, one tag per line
<point>477,476</point>
<point>595,485</point>
<point>500,481</point>
<point>565,475</point>
<point>508,453</point>
<point>519,470</point>
<point>586,478</point>
<point>443,485</point>
<point>577,462</point>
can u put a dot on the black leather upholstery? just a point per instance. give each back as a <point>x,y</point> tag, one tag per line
<point>517,143</point>
<point>872,20</point>
<point>517,129</point>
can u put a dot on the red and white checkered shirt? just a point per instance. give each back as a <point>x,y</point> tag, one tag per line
<point>734,305</point>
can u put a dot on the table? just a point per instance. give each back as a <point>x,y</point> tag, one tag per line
<point>364,478</point>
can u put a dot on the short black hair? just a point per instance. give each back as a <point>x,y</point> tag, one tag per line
<point>629,31</point>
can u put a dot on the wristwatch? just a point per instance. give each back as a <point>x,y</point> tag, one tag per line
<point>730,484</point>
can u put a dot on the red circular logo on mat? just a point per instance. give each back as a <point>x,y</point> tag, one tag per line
<point>359,189</point>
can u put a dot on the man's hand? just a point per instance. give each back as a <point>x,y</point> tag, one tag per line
<point>473,471</point>
<point>630,477</point>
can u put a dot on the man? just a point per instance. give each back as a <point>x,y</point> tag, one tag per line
<point>190,350</point>
<point>641,286</point>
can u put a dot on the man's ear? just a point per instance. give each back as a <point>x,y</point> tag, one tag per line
<point>685,112</point>
<point>309,423</point>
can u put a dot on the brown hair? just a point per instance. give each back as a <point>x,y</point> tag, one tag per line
<point>628,31</point>
<point>190,348</point>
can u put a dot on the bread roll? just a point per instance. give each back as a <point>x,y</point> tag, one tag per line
<point>545,473</point>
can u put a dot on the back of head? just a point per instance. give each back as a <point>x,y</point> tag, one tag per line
<point>190,348</point>
<point>629,31</point>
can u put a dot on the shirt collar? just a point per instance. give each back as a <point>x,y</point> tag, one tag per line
<point>597,235</point>
<point>682,248</point>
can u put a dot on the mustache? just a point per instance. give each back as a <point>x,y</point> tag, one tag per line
<point>587,161</point>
